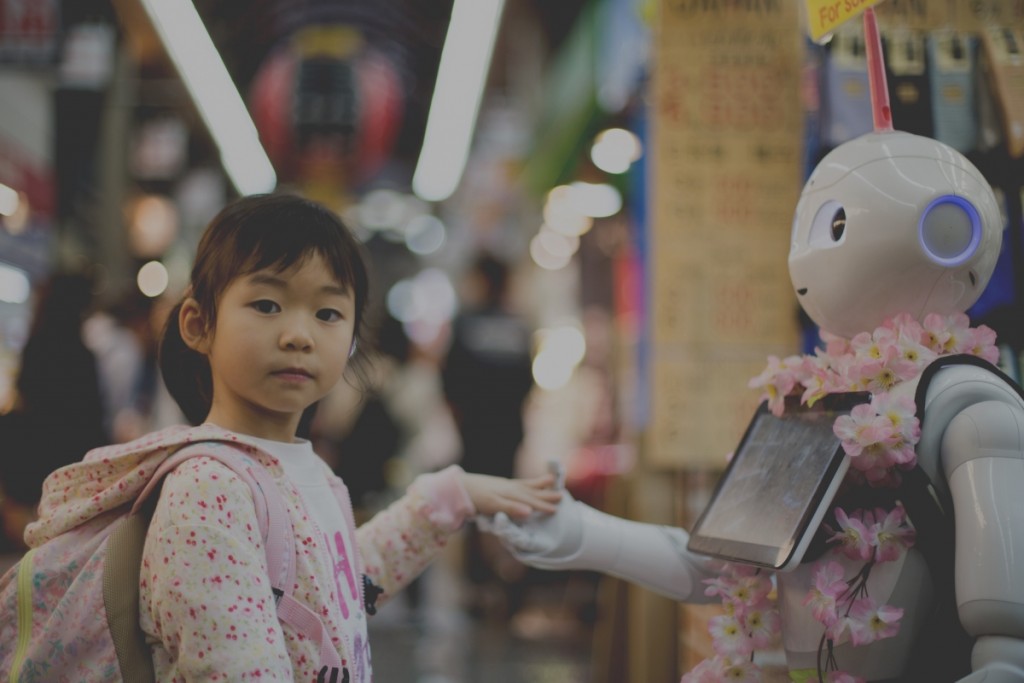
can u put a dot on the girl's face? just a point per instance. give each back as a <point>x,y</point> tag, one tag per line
<point>280,344</point>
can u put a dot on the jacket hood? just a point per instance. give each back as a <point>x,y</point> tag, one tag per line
<point>111,477</point>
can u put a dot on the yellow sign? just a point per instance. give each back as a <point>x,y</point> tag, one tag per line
<point>824,16</point>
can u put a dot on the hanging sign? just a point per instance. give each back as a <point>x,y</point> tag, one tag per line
<point>824,16</point>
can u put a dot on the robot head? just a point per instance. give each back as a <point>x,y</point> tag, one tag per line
<point>889,223</point>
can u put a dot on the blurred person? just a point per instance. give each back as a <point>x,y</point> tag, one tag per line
<point>58,407</point>
<point>416,399</point>
<point>351,420</point>
<point>487,375</point>
<point>123,340</point>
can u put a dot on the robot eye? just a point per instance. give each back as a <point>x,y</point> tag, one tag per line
<point>829,225</point>
<point>838,225</point>
<point>949,230</point>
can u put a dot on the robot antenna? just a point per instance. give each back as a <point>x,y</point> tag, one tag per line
<point>880,110</point>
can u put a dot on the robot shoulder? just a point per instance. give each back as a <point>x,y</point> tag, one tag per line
<point>948,387</point>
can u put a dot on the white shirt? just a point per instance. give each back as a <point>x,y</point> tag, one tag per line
<point>309,473</point>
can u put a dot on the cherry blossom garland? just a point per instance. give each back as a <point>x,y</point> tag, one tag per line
<point>880,438</point>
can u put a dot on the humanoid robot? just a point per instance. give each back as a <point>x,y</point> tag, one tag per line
<point>889,223</point>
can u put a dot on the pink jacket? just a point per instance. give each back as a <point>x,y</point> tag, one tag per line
<point>205,599</point>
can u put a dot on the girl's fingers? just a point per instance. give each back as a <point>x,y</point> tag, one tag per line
<point>539,500</point>
<point>545,481</point>
<point>515,497</point>
<point>516,510</point>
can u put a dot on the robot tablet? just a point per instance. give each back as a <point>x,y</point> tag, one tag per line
<point>777,487</point>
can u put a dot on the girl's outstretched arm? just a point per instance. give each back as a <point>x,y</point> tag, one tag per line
<point>517,498</point>
<point>399,542</point>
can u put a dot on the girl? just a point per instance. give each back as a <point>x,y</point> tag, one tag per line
<point>267,327</point>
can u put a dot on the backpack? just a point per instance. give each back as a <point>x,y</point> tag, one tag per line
<point>89,577</point>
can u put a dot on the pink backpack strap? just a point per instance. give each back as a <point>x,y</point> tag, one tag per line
<point>279,540</point>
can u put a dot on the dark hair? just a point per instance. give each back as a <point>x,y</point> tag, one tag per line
<point>255,233</point>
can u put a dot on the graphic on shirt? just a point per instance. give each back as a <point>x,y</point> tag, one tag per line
<point>342,566</point>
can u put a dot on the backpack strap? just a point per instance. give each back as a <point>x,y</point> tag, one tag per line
<point>122,567</point>
<point>279,544</point>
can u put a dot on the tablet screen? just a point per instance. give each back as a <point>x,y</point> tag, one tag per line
<point>773,494</point>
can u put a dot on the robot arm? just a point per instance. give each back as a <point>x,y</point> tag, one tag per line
<point>982,452</point>
<point>579,537</point>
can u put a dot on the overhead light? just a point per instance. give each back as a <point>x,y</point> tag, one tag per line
<point>557,243</point>
<point>214,93</point>
<point>598,200</point>
<point>9,200</point>
<point>560,350</point>
<point>152,279</point>
<point>546,259</point>
<point>562,213</point>
<point>461,76</point>
<point>424,234</point>
<point>14,285</point>
<point>614,150</point>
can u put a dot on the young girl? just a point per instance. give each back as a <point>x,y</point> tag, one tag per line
<point>267,327</point>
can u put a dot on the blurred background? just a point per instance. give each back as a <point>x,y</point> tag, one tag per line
<point>577,213</point>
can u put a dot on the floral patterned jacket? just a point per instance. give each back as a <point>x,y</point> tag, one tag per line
<point>205,601</point>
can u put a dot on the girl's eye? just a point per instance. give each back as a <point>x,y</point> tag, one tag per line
<point>265,306</point>
<point>329,315</point>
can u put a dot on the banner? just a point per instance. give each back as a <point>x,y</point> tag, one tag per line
<point>726,144</point>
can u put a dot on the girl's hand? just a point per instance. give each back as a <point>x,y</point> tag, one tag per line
<point>517,498</point>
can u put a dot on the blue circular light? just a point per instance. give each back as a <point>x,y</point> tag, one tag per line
<point>975,222</point>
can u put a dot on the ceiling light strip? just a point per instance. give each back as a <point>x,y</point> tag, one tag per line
<point>221,107</point>
<point>461,77</point>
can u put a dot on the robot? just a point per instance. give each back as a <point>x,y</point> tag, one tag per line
<point>889,223</point>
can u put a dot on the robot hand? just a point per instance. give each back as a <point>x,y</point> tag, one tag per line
<point>542,541</point>
<point>577,536</point>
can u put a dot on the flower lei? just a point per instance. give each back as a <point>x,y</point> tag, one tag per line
<point>880,437</point>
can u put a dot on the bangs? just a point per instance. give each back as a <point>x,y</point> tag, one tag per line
<point>275,232</point>
<point>281,239</point>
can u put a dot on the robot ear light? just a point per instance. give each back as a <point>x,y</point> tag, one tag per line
<point>949,230</point>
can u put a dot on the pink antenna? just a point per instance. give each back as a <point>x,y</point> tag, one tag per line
<point>880,111</point>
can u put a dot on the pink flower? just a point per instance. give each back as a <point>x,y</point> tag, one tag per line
<point>720,669</point>
<point>708,671</point>
<point>863,427</point>
<point>762,624</point>
<point>720,585</point>
<point>728,637</point>
<point>961,336</point>
<point>983,344</point>
<point>903,322</point>
<point>854,536</point>
<point>829,585</point>
<point>870,622</point>
<point>778,380</point>
<point>836,631</point>
<point>843,677</point>
<point>864,346</point>
<point>752,590</point>
<point>883,371</point>
<point>818,378</point>
<point>910,346</point>
<point>901,412</point>
<point>936,335</point>
<point>899,448</point>
<point>875,463</point>
<point>834,344</point>
<point>742,671</point>
<point>739,585</point>
<point>891,535</point>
